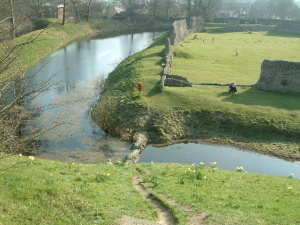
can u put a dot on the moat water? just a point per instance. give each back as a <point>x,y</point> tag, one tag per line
<point>67,132</point>
<point>225,157</point>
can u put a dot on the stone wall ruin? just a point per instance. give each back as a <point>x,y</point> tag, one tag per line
<point>233,24</point>
<point>288,26</point>
<point>180,30</point>
<point>167,79</point>
<point>176,81</point>
<point>177,34</point>
<point>280,76</point>
<point>196,24</point>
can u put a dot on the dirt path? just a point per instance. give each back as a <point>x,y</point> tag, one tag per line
<point>164,216</point>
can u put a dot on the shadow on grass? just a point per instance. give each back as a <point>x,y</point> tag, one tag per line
<point>155,90</point>
<point>156,54</point>
<point>255,97</point>
<point>283,34</point>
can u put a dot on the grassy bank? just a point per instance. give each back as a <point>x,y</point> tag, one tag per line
<point>36,45</point>
<point>39,44</point>
<point>263,121</point>
<point>45,192</point>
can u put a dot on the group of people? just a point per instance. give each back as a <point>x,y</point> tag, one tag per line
<point>232,87</point>
<point>203,40</point>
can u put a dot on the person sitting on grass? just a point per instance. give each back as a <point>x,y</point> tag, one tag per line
<point>232,87</point>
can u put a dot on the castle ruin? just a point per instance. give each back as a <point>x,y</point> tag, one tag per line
<point>280,76</point>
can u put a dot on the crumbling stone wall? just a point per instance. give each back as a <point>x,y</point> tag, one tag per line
<point>178,32</point>
<point>167,79</point>
<point>233,24</point>
<point>196,24</point>
<point>176,81</point>
<point>288,26</point>
<point>169,56</point>
<point>280,76</point>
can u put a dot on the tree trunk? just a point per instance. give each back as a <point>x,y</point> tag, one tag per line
<point>88,11</point>
<point>189,10</point>
<point>64,13</point>
<point>12,19</point>
<point>76,10</point>
<point>131,10</point>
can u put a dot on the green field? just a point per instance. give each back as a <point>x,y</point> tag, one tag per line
<point>216,61</point>
<point>263,121</point>
<point>37,191</point>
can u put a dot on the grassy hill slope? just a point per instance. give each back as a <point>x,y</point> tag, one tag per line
<point>37,191</point>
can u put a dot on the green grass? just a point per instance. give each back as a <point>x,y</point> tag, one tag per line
<point>43,42</point>
<point>217,61</point>
<point>251,118</point>
<point>48,192</point>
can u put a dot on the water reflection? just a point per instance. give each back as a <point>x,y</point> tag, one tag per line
<point>74,73</point>
<point>226,158</point>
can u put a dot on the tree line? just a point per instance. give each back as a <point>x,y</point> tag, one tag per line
<point>23,15</point>
<point>275,9</point>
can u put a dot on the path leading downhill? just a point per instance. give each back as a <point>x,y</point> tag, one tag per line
<point>165,217</point>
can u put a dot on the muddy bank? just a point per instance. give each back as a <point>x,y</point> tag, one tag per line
<point>166,126</point>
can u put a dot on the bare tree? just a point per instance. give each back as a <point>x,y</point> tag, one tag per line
<point>168,7</point>
<point>11,93</point>
<point>131,4</point>
<point>12,19</point>
<point>209,9</point>
<point>281,8</point>
<point>15,90</point>
<point>88,10</point>
<point>153,9</point>
<point>259,9</point>
<point>75,4</point>
<point>204,8</point>
<point>38,6</point>
<point>64,12</point>
<point>189,8</point>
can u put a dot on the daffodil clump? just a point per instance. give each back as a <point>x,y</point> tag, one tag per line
<point>195,173</point>
<point>102,177</point>
<point>240,169</point>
